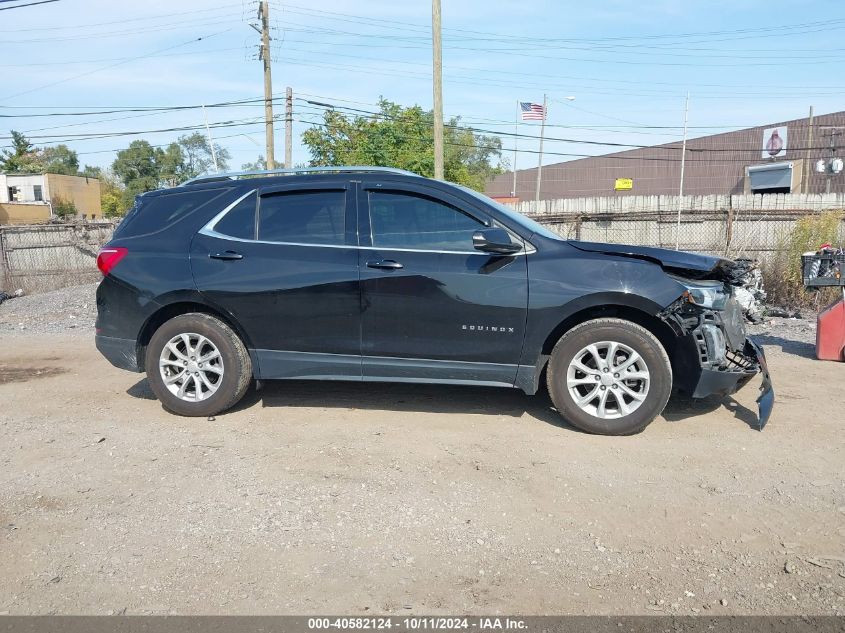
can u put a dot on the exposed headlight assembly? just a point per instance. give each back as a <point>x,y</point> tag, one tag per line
<point>705,294</point>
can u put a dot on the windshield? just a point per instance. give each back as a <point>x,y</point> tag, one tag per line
<point>517,217</point>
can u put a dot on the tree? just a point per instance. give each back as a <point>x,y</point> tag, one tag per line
<point>59,160</point>
<point>112,203</point>
<point>404,138</point>
<point>24,158</point>
<point>138,168</point>
<point>21,158</point>
<point>259,165</point>
<point>172,165</point>
<point>63,208</point>
<point>142,167</point>
<point>197,157</point>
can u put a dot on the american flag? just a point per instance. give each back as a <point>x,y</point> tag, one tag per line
<point>532,111</point>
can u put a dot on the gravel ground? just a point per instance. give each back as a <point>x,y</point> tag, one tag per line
<point>68,311</point>
<point>317,497</point>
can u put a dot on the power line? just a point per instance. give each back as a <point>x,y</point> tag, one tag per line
<point>217,20</point>
<point>76,27</point>
<point>28,4</point>
<point>775,30</point>
<point>115,110</point>
<point>632,146</point>
<point>119,59</point>
<point>96,70</point>
<point>323,107</point>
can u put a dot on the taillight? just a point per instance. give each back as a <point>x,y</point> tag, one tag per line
<point>109,257</point>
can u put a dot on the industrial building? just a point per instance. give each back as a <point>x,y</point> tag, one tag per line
<point>797,156</point>
<point>29,198</point>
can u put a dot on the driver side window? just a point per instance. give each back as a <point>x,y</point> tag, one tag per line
<point>406,220</point>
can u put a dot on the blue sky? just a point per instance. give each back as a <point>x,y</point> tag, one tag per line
<point>629,65</point>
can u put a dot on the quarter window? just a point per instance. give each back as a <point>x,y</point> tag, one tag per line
<point>240,220</point>
<point>404,220</point>
<point>305,217</point>
<point>154,213</point>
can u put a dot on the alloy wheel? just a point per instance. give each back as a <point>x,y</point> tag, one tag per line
<point>191,367</point>
<point>608,380</point>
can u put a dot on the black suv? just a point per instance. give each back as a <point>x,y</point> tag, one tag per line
<point>377,274</point>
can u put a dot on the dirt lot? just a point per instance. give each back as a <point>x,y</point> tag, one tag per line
<point>351,498</point>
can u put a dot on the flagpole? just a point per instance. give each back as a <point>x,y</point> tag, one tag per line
<point>515,137</point>
<point>681,185</point>
<point>540,160</point>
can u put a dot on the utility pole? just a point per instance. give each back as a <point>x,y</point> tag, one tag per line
<point>681,185</point>
<point>540,159</point>
<point>266,58</point>
<point>288,128</point>
<point>515,137</point>
<point>806,170</point>
<point>438,88</point>
<point>210,141</point>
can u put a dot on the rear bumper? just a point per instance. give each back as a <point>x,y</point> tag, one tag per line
<point>120,352</point>
<point>727,381</point>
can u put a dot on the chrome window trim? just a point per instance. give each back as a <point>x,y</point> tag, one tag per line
<point>209,227</point>
<point>208,230</point>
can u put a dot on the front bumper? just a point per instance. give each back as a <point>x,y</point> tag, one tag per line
<point>726,381</point>
<point>120,352</point>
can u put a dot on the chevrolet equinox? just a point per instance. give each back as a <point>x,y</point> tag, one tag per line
<point>375,274</point>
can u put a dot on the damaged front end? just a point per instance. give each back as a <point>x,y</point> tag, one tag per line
<point>714,356</point>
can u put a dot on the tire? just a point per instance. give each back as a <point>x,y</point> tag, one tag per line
<point>579,370</point>
<point>222,379</point>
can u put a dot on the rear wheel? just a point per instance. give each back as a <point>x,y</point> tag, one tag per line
<point>197,366</point>
<point>609,376</point>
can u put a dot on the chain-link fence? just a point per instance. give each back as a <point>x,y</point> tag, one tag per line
<point>49,256</point>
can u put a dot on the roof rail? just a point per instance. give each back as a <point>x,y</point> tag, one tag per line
<point>232,175</point>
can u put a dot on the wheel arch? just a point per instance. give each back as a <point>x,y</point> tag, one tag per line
<point>626,306</point>
<point>638,315</point>
<point>177,308</point>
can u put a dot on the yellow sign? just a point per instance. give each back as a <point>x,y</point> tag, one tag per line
<point>624,184</point>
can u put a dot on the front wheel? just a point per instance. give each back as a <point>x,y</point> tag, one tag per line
<point>197,366</point>
<point>609,376</point>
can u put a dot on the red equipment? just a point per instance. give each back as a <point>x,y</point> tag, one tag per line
<point>826,268</point>
<point>830,333</point>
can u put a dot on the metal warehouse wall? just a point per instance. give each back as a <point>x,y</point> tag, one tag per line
<point>656,170</point>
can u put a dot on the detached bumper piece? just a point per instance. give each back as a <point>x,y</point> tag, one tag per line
<point>727,358</point>
<point>766,399</point>
<point>738,371</point>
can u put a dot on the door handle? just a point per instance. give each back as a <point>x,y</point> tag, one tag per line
<point>227,255</point>
<point>385,264</point>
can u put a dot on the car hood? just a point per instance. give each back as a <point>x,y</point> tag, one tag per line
<point>683,263</point>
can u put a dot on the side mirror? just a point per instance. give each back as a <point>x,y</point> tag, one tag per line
<point>495,240</point>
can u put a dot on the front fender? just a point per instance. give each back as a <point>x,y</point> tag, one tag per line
<point>568,283</point>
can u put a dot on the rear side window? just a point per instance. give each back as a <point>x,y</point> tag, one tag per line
<point>240,220</point>
<point>151,214</point>
<point>305,217</point>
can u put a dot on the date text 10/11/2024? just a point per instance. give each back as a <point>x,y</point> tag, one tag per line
<point>418,623</point>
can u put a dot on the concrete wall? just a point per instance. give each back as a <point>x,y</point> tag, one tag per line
<point>22,213</point>
<point>84,192</point>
